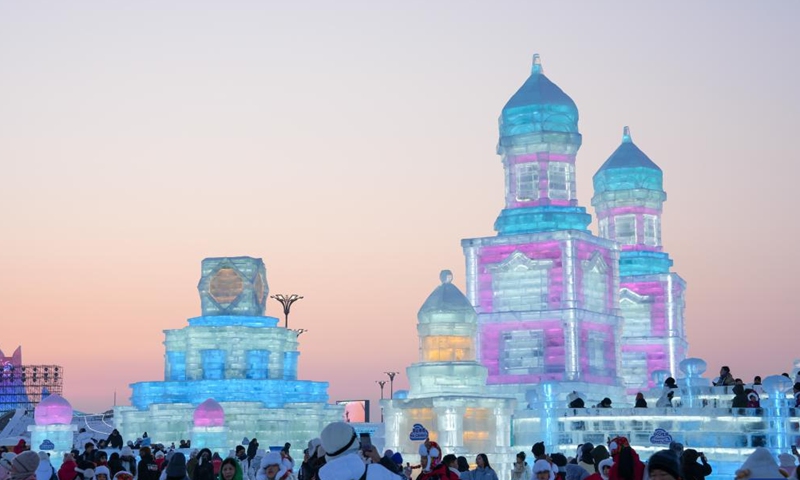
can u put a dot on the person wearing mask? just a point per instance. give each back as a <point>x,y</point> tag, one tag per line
<point>520,469</point>
<point>690,469</point>
<point>205,468</point>
<point>147,467</point>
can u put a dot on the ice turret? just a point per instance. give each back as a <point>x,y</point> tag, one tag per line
<point>447,327</point>
<point>538,142</point>
<point>629,196</point>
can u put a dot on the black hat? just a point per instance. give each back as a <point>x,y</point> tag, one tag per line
<point>665,461</point>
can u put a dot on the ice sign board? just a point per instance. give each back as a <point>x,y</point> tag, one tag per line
<point>47,445</point>
<point>418,432</point>
<point>660,437</point>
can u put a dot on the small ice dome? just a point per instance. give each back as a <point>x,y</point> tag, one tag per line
<point>209,414</point>
<point>53,410</point>
<point>693,367</point>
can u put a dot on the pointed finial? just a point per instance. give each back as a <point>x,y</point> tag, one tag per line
<point>537,64</point>
<point>626,134</point>
<point>446,276</point>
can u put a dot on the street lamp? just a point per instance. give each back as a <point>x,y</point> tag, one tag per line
<point>391,383</point>
<point>300,331</point>
<point>286,301</point>
<point>382,383</point>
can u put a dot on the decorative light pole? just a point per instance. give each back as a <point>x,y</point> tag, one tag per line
<point>300,331</point>
<point>391,383</point>
<point>286,301</point>
<point>382,384</point>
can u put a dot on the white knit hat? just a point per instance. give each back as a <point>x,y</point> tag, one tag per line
<point>24,466</point>
<point>339,439</point>
<point>541,466</point>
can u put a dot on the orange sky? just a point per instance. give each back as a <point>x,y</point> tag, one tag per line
<point>352,148</point>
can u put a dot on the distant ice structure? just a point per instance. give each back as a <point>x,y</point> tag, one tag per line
<point>239,359</point>
<point>563,314</point>
<point>447,394</point>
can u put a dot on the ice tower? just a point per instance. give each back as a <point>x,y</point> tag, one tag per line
<point>628,198</point>
<point>545,289</point>
<point>447,392</point>
<point>238,358</point>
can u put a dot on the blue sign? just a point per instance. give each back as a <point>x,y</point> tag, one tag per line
<point>418,433</point>
<point>661,437</point>
<point>47,445</point>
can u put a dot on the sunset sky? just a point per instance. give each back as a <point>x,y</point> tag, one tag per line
<point>351,145</point>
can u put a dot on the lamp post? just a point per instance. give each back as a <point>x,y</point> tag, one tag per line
<point>286,301</point>
<point>300,331</point>
<point>391,383</point>
<point>382,384</point>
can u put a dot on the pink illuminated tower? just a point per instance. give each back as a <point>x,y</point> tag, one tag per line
<point>628,198</point>
<point>546,289</point>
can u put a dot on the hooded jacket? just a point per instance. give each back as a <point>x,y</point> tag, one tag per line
<point>67,470</point>
<point>205,468</point>
<point>638,466</point>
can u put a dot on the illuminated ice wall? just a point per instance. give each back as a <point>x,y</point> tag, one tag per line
<point>545,289</point>
<point>628,198</point>
<point>236,356</point>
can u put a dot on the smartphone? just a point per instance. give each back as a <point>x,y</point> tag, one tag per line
<point>366,442</point>
<point>794,449</point>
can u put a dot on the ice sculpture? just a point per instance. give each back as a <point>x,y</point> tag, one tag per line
<point>53,431</point>
<point>209,429</point>
<point>545,289</point>
<point>629,198</point>
<point>236,356</point>
<point>447,392</point>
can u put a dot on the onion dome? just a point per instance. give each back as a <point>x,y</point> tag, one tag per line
<point>209,414</point>
<point>628,168</point>
<point>538,106</point>
<point>53,410</point>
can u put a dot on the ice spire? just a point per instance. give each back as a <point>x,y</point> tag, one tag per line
<point>537,64</point>
<point>626,134</point>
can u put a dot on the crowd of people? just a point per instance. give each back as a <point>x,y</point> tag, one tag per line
<point>340,454</point>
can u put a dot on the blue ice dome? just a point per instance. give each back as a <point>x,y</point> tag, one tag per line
<point>628,168</point>
<point>538,106</point>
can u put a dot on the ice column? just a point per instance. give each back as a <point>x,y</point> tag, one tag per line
<point>53,431</point>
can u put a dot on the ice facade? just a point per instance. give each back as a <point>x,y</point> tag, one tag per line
<point>447,393</point>
<point>232,365</point>
<point>629,198</point>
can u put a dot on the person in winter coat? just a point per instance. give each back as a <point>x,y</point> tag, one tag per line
<point>483,470</point>
<point>691,470</point>
<point>520,469</point>
<point>663,465</point>
<point>216,461</point>
<point>20,447</point>
<point>205,468</point>
<point>447,469</point>
<point>5,464</point>
<point>102,473</point>
<point>543,470</point>
<point>725,378</point>
<point>605,468</point>
<point>114,464</point>
<point>627,465</point>
<point>230,470</point>
<point>114,440</point>
<point>147,468</point>
<point>640,401</point>
<point>342,461</point>
<point>576,472</point>
<point>585,459</point>
<point>45,470</point>
<point>176,468</point>
<point>740,397</point>
<point>24,466</point>
<point>68,466</point>
<point>127,460</point>
<point>191,464</point>
<point>272,468</point>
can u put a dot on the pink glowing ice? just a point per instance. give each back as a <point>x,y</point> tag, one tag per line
<point>209,414</point>
<point>53,410</point>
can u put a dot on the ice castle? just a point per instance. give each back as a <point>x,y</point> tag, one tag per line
<point>230,374</point>
<point>559,311</point>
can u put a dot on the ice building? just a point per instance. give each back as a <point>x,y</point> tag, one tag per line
<point>628,198</point>
<point>238,358</point>
<point>447,393</point>
<point>546,289</point>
